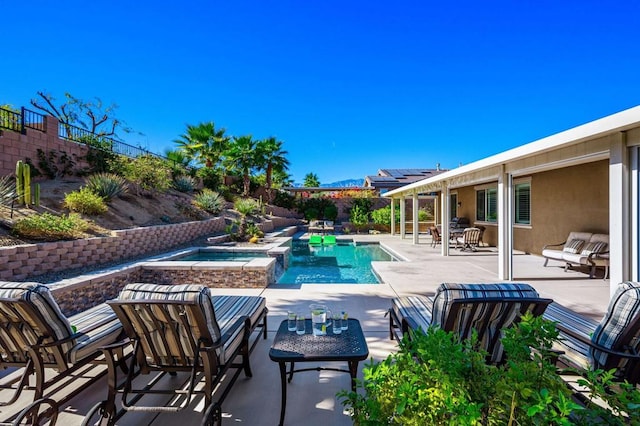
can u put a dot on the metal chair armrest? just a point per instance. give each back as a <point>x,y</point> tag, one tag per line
<point>554,245</point>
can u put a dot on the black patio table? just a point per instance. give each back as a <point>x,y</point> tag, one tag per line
<point>290,347</point>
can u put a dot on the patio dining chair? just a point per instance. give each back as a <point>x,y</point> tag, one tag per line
<point>469,240</point>
<point>435,236</point>
<point>462,308</point>
<point>613,343</point>
<point>180,328</point>
<point>35,336</point>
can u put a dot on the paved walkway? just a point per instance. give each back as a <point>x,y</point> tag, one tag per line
<point>312,395</point>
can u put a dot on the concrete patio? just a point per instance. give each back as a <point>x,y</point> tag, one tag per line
<point>312,395</point>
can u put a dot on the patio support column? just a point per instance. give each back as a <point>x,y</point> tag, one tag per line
<point>393,216</point>
<point>445,218</point>
<point>416,207</point>
<point>619,208</point>
<point>505,226</point>
<point>403,217</point>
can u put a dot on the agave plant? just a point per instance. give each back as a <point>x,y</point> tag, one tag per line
<point>107,185</point>
<point>184,183</point>
<point>209,201</point>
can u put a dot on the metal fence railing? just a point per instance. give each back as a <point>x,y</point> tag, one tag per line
<point>20,121</point>
<point>25,118</point>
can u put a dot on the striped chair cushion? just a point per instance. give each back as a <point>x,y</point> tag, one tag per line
<point>594,247</point>
<point>623,308</point>
<point>98,326</point>
<point>448,292</point>
<point>228,309</point>
<point>575,350</point>
<point>573,246</point>
<point>418,308</point>
<point>183,292</point>
<point>40,298</point>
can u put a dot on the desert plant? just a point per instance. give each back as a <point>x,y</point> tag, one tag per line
<point>107,185</point>
<point>184,183</point>
<point>211,177</point>
<point>148,172</point>
<point>209,201</point>
<point>85,201</point>
<point>190,211</point>
<point>246,206</point>
<point>48,227</point>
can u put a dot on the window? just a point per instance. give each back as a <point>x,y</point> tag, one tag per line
<point>453,205</point>
<point>487,205</point>
<point>523,203</point>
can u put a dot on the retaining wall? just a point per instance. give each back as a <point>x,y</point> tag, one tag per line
<point>30,260</point>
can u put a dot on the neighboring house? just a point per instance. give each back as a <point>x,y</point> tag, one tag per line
<point>582,179</point>
<point>389,179</point>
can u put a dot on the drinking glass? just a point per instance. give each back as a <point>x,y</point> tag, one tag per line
<point>291,321</point>
<point>300,324</point>
<point>337,324</point>
<point>345,320</point>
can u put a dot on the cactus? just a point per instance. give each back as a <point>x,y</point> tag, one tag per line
<point>26,172</point>
<point>36,195</point>
<point>23,184</point>
<point>20,181</point>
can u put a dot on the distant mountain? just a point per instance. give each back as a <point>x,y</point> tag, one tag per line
<point>344,183</point>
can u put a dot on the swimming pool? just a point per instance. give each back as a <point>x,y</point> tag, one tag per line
<point>344,263</point>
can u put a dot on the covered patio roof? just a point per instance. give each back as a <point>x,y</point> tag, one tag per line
<point>608,138</point>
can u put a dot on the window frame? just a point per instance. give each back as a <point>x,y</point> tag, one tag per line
<point>489,204</point>
<point>516,202</point>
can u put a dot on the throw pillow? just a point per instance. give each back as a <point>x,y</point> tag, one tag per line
<point>595,247</point>
<point>573,246</point>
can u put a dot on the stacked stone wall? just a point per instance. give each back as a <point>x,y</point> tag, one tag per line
<point>30,260</point>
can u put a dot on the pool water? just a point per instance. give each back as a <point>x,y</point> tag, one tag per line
<point>238,256</point>
<point>341,263</point>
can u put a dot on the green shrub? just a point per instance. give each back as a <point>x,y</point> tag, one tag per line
<point>424,215</point>
<point>436,379</point>
<point>48,227</point>
<point>107,185</point>
<point>100,155</point>
<point>184,183</point>
<point>284,199</point>
<point>358,217</point>
<point>85,201</point>
<point>246,206</point>
<point>382,216</point>
<point>209,201</point>
<point>148,172</point>
<point>211,177</point>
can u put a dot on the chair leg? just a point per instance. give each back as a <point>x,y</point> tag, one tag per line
<point>546,260</point>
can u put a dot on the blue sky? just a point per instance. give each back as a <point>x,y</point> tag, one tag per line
<point>349,86</point>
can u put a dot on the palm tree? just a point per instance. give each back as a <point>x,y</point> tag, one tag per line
<point>311,180</point>
<point>242,156</point>
<point>204,143</point>
<point>273,159</point>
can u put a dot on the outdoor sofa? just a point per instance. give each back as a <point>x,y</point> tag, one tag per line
<point>581,249</point>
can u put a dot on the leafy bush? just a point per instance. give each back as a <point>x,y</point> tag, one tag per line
<point>246,206</point>
<point>55,164</point>
<point>284,199</point>
<point>358,217</point>
<point>85,201</point>
<point>148,172</point>
<point>313,208</point>
<point>211,177</point>
<point>100,155</point>
<point>424,215</point>
<point>382,216</point>
<point>209,201</point>
<point>184,183</point>
<point>107,185</point>
<point>254,231</point>
<point>48,227</point>
<point>436,379</point>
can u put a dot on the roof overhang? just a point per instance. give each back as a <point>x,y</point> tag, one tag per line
<point>582,144</point>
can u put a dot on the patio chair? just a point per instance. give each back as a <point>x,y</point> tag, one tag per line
<point>614,342</point>
<point>177,328</point>
<point>463,308</point>
<point>469,240</point>
<point>35,336</point>
<point>435,236</point>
